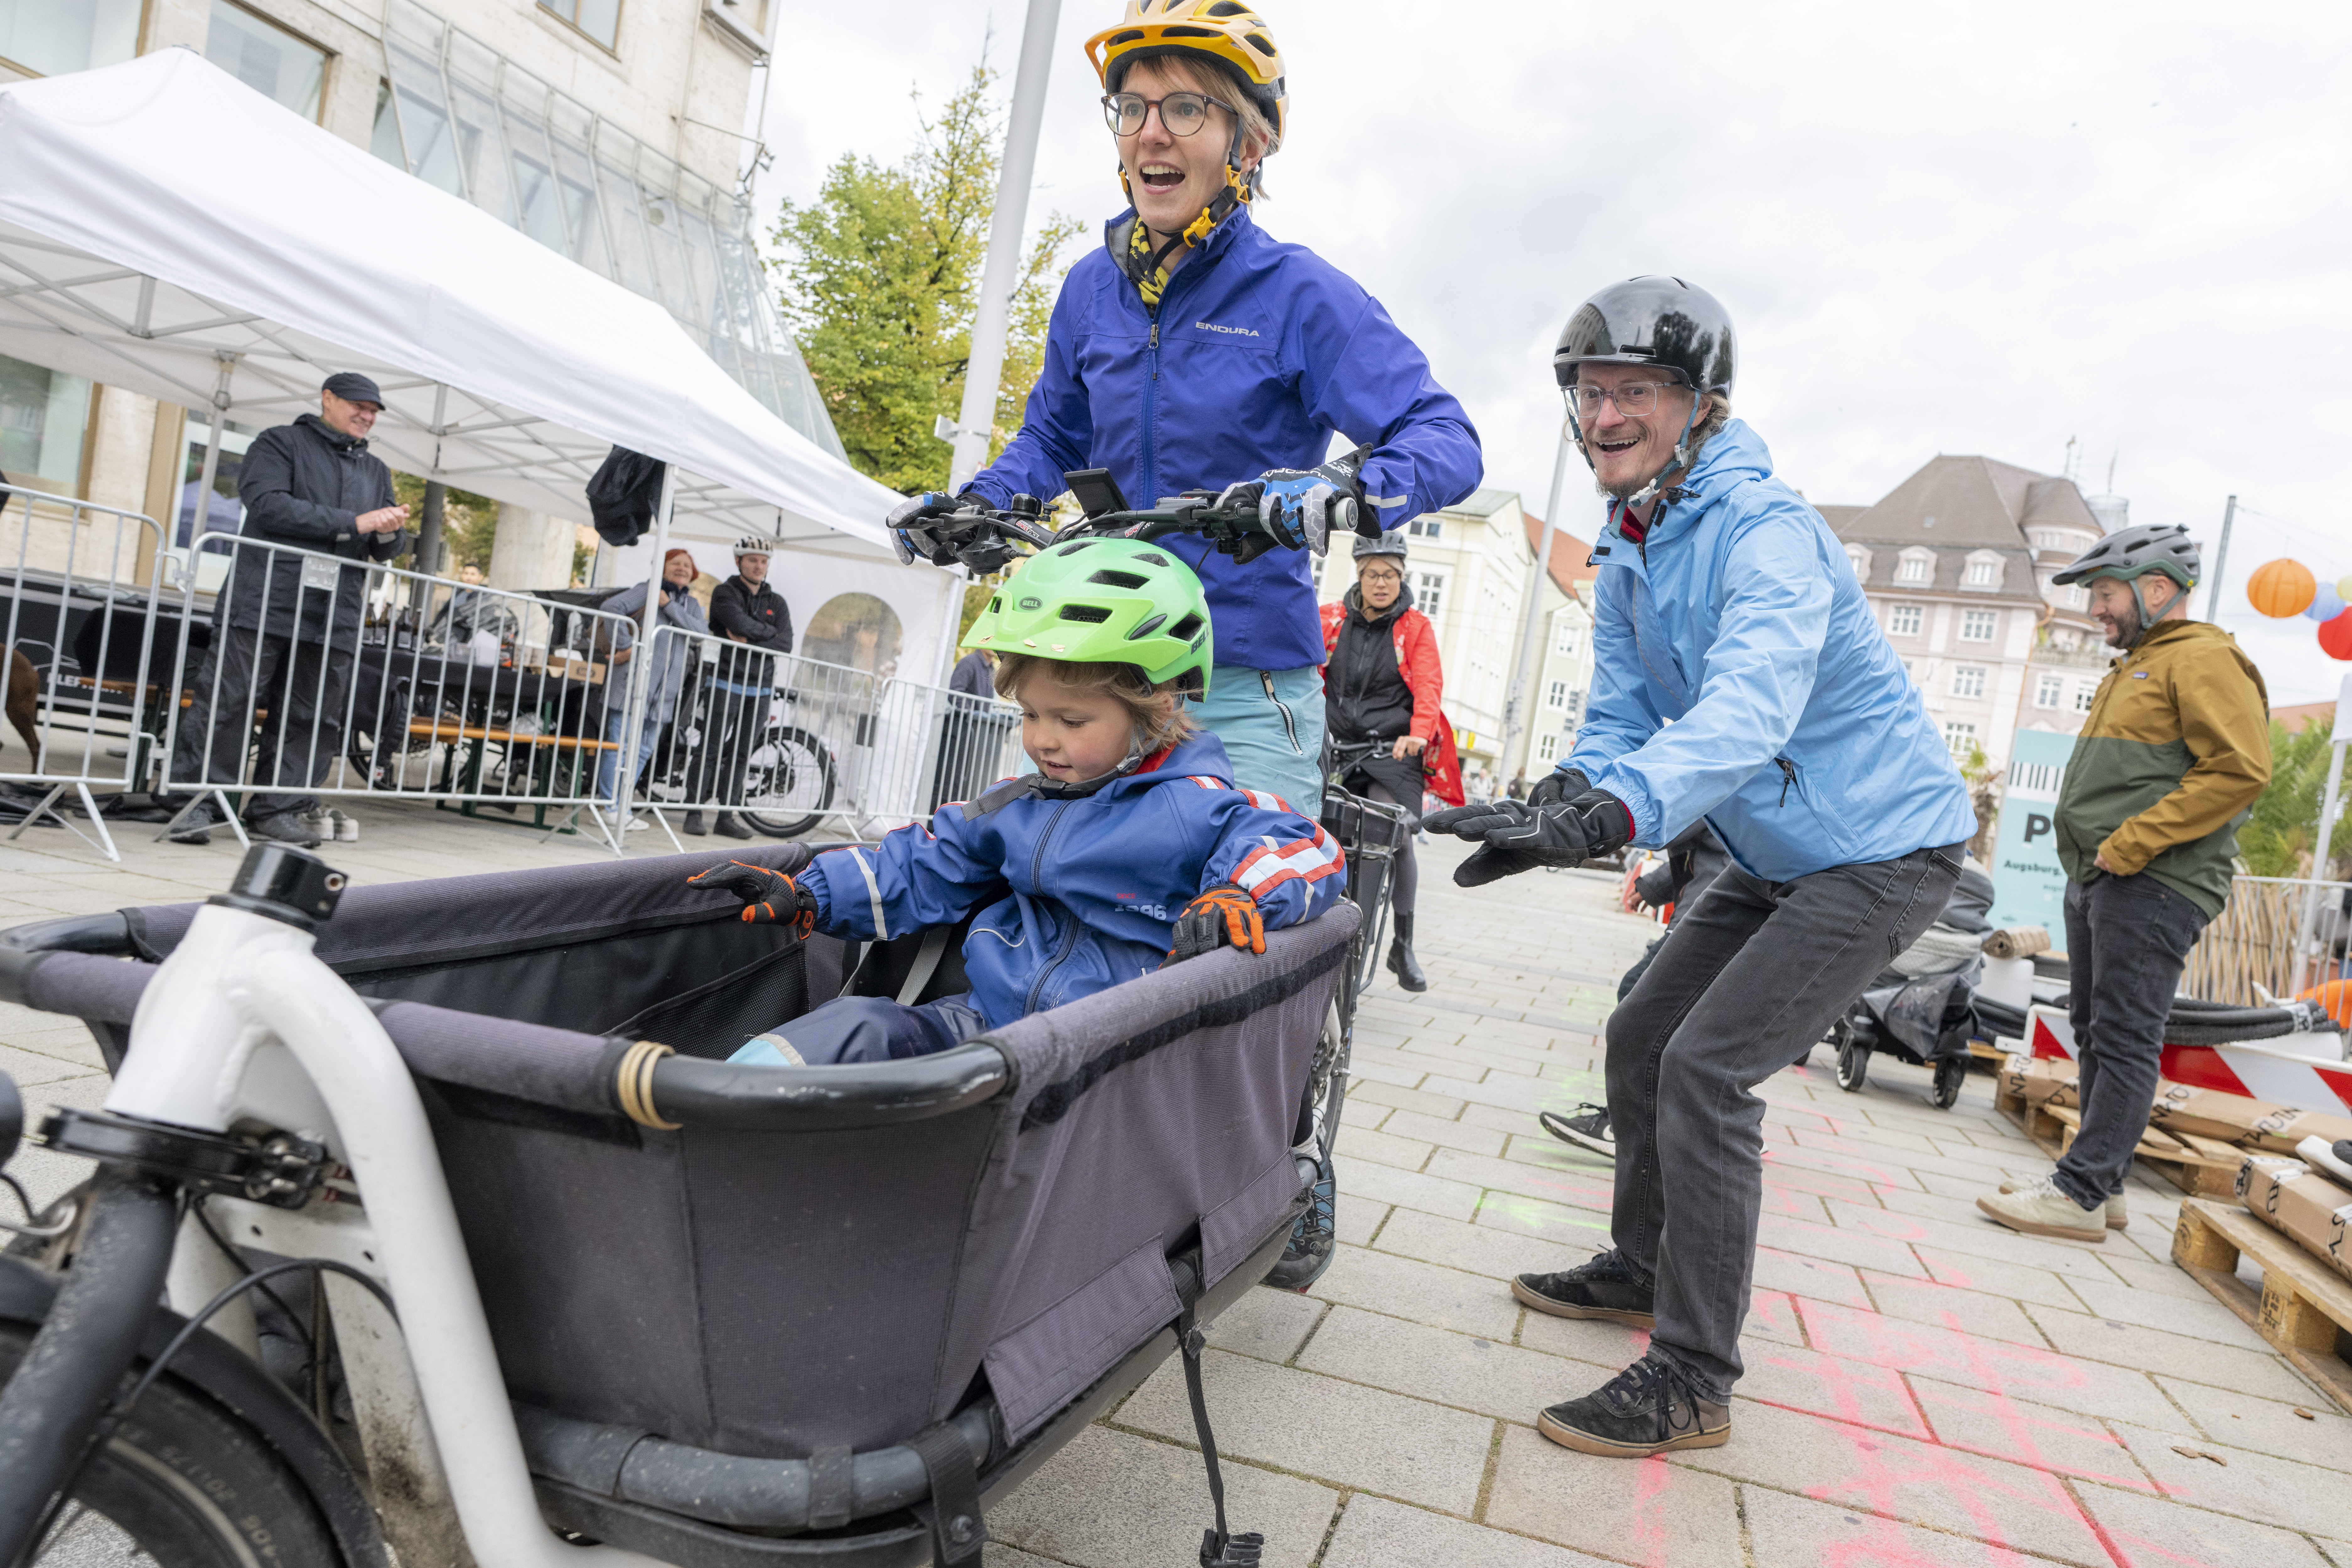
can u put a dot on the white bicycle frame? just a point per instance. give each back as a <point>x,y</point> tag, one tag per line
<point>244,1024</point>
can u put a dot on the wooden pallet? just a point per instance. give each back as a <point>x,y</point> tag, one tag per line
<point>2201,1167</point>
<point>2303,1308</point>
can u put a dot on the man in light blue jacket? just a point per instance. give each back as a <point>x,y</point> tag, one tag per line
<point>1739,677</point>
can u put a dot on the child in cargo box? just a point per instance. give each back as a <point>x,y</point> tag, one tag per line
<point>1130,846</point>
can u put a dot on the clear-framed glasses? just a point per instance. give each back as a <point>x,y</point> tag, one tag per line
<point>1634,400</point>
<point>1182,113</point>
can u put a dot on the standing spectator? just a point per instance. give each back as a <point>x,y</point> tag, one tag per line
<point>971,731</point>
<point>285,627</point>
<point>1518,788</point>
<point>2172,755</point>
<point>679,609</point>
<point>1381,685</point>
<point>743,609</point>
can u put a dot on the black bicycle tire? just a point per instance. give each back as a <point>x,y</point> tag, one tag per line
<point>775,826</point>
<point>192,1486</point>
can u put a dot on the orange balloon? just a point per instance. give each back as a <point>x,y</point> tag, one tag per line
<point>2335,997</point>
<point>2282,588</point>
<point>2335,636</point>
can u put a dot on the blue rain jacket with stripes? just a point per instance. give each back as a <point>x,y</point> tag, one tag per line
<point>1076,896</point>
<point>1258,353</point>
<point>1738,675</point>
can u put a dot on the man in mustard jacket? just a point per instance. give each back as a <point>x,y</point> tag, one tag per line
<point>2175,749</point>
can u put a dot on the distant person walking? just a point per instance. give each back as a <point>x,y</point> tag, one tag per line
<point>285,627</point>
<point>2175,750</point>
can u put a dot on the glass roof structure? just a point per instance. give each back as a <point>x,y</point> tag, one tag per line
<point>481,127</point>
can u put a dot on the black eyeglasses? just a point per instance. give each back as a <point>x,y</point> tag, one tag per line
<point>1181,113</point>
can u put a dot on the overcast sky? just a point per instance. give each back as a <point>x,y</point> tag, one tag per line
<point>1983,231</point>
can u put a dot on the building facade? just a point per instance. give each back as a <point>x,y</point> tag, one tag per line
<point>1563,670</point>
<point>1956,562</point>
<point>607,130</point>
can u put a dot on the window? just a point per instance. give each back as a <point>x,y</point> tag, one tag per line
<point>1547,746</point>
<point>1918,566</point>
<point>600,19</point>
<point>44,415</point>
<point>1967,679</point>
<point>1905,620</point>
<point>1564,636</point>
<point>2046,689</point>
<point>1428,591</point>
<point>1960,739</point>
<point>1557,696</point>
<point>1426,527</point>
<point>1983,574</point>
<point>1859,558</point>
<point>267,58</point>
<point>2074,596</point>
<point>50,37</point>
<point>1977,625</point>
<point>2082,695</point>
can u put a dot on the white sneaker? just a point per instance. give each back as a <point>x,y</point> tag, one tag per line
<point>346,827</point>
<point>317,825</point>
<point>2117,1219</point>
<point>2041,1208</point>
<point>635,824</point>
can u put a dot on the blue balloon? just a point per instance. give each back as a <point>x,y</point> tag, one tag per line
<point>2325,605</point>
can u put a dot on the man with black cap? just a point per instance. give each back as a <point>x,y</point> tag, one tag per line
<point>1739,678</point>
<point>285,627</point>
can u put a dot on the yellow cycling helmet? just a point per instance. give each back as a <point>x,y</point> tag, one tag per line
<point>1224,30</point>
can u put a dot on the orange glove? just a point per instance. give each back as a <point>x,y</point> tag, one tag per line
<point>769,897</point>
<point>1223,915</point>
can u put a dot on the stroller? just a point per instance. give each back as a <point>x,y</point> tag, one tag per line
<point>1922,1008</point>
<point>482,1271</point>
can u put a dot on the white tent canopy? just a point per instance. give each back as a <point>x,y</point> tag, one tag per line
<point>167,229</point>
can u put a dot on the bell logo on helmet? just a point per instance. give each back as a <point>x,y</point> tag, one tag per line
<point>1032,602</point>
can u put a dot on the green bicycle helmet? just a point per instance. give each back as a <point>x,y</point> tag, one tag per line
<point>1104,601</point>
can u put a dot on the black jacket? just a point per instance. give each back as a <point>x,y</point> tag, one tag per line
<point>305,484</point>
<point>758,614</point>
<point>1364,694</point>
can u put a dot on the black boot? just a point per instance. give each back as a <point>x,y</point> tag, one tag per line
<point>695,824</point>
<point>1401,963</point>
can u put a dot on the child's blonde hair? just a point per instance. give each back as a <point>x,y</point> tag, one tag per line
<point>1159,717</point>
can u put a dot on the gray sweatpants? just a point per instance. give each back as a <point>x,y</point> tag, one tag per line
<point>1755,972</point>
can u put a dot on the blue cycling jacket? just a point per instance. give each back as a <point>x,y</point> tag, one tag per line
<point>1259,352</point>
<point>1738,675</point>
<point>1081,894</point>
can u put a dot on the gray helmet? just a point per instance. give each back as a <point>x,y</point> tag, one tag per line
<point>2134,552</point>
<point>1391,542</point>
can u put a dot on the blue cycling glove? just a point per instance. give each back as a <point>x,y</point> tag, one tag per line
<point>908,533</point>
<point>1299,508</point>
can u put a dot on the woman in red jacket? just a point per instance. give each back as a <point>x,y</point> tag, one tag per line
<point>1381,683</point>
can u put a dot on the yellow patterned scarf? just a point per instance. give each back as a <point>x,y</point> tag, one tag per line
<point>1151,281</point>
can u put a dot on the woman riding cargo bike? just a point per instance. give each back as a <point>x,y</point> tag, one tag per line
<point>1196,351</point>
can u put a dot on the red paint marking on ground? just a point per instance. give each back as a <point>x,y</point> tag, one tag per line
<point>1842,1382</point>
<point>1885,1342</point>
<point>1652,1479</point>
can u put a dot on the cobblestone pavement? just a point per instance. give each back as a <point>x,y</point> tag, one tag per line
<point>1923,1387</point>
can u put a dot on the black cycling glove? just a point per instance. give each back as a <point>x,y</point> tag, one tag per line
<point>910,533</point>
<point>769,897</point>
<point>1551,827</point>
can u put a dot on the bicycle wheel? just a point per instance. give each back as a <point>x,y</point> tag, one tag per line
<point>182,1484</point>
<point>789,785</point>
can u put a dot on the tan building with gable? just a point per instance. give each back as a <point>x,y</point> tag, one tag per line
<point>1956,562</point>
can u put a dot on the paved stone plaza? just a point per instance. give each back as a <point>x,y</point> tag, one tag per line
<point>1923,1388</point>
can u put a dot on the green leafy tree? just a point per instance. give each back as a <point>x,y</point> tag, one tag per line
<point>2277,840</point>
<point>882,280</point>
<point>469,523</point>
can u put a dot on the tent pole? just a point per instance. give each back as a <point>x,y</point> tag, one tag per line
<point>985,367</point>
<point>1518,713</point>
<point>640,682</point>
<point>428,533</point>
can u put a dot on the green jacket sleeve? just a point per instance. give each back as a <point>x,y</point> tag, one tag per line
<point>2225,723</point>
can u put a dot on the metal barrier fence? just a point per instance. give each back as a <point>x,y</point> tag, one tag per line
<point>82,581</point>
<point>313,675</point>
<point>785,743</point>
<point>2278,936</point>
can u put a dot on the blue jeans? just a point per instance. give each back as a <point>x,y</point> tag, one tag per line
<point>864,1029</point>
<point>1271,722</point>
<point>608,763</point>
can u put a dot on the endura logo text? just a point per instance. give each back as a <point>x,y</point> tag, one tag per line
<point>1236,331</point>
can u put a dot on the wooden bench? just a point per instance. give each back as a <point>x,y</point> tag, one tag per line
<point>451,729</point>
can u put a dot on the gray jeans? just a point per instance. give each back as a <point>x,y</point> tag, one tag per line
<point>2126,939</point>
<point>1754,974</point>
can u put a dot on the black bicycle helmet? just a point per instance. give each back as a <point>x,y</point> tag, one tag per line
<point>1658,321</point>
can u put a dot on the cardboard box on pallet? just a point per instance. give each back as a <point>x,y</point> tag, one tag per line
<point>2301,1204</point>
<point>2043,1081</point>
<point>2236,1119</point>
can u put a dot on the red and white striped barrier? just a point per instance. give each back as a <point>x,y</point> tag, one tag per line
<point>2259,1072</point>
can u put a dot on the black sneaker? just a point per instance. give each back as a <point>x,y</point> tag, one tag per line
<point>731,826</point>
<point>1311,1239</point>
<point>1588,1129</point>
<point>1648,1408</point>
<point>1604,1288</point>
<point>196,827</point>
<point>283,828</point>
<point>695,826</point>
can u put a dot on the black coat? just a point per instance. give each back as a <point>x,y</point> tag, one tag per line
<point>305,484</point>
<point>757,614</point>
